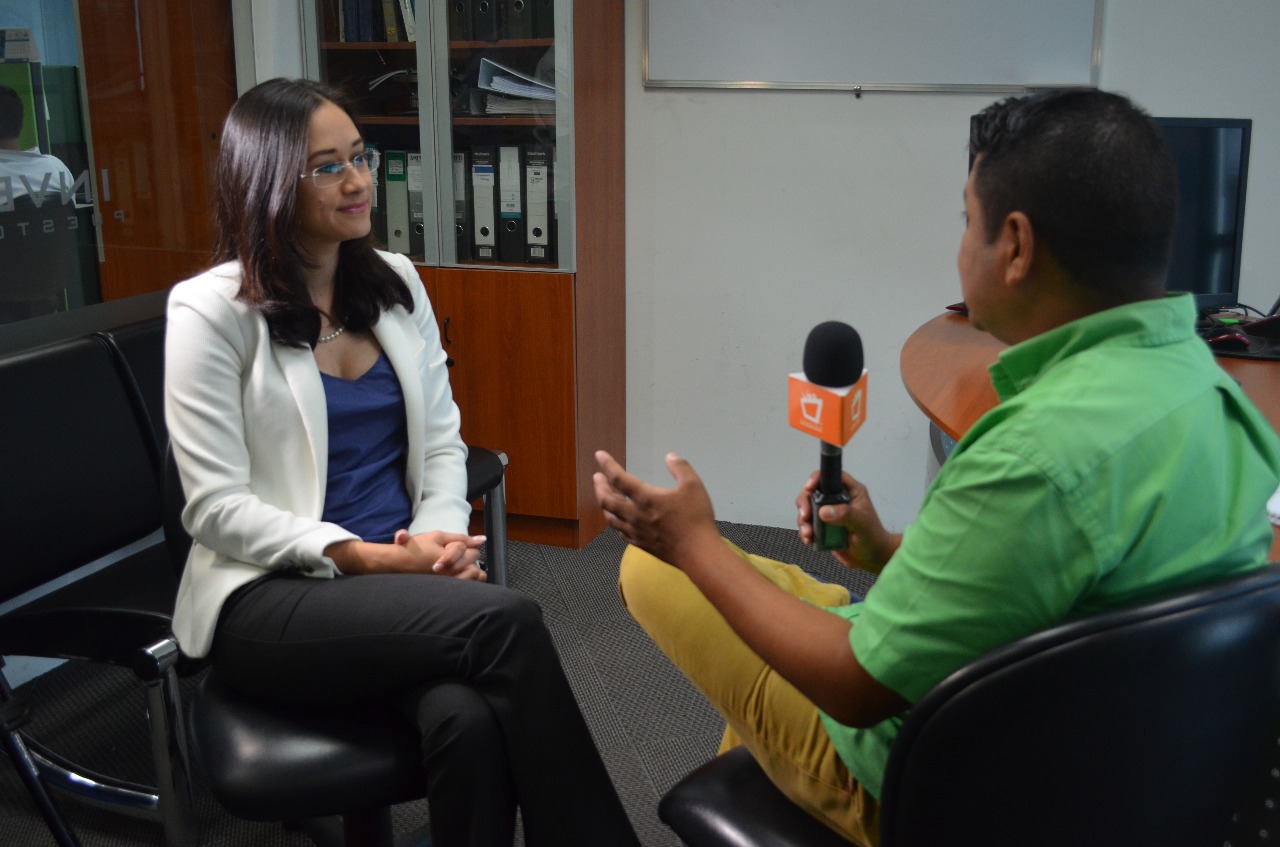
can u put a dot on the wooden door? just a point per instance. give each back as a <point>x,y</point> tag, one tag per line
<point>159,80</point>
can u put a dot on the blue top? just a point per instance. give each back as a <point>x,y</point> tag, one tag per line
<point>365,493</point>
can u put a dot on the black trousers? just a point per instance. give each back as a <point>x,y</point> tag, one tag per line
<point>475,667</point>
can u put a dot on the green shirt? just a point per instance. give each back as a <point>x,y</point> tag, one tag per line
<point>1122,462</point>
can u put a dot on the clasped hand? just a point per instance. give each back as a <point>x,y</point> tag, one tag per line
<point>447,554</point>
<point>435,552</point>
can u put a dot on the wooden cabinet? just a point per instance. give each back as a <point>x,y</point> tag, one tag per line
<point>509,337</point>
<point>538,343</point>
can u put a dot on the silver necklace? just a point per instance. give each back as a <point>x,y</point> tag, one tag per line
<point>326,338</point>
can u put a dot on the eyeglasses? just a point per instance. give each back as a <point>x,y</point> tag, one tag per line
<point>327,176</point>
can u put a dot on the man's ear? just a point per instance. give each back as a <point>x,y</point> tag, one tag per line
<point>1017,245</point>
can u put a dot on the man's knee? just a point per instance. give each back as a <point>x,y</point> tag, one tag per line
<point>643,579</point>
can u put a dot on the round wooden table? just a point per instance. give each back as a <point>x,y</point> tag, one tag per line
<point>944,367</point>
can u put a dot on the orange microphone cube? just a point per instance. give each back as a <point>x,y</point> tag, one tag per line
<point>831,414</point>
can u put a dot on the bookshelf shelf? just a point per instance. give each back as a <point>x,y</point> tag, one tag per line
<point>461,46</point>
<point>389,120</point>
<point>505,120</point>
<point>408,46</point>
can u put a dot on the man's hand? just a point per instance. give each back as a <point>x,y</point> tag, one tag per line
<point>870,544</point>
<point>809,646</point>
<point>669,523</point>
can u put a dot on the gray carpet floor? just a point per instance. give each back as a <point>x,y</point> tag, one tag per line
<point>650,724</point>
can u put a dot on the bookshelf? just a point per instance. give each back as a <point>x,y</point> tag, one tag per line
<point>532,312</point>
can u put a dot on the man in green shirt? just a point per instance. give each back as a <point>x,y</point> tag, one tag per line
<point>1121,463</point>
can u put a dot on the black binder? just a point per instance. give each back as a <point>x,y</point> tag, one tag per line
<point>515,19</point>
<point>484,20</point>
<point>511,237</point>
<point>539,203</point>
<point>484,244</point>
<point>462,204</point>
<point>460,28</point>
<point>544,18</point>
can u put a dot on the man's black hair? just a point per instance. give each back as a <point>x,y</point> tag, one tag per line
<point>11,117</point>
<point>1094,176</point>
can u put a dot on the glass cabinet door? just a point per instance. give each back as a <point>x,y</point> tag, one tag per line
<point>470,102</point>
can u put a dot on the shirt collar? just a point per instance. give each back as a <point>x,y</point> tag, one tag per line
<point>1147,323</point>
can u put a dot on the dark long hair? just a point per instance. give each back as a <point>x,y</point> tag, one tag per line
<point>1094,176</point>
<point>264,149</point>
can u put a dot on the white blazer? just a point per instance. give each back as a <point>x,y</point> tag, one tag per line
<point>249,426</point>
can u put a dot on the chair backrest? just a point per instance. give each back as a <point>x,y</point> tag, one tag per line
<point>141,344</point>
<point>1140,726</point>
<point>39,249</point>
<point>80,467</point>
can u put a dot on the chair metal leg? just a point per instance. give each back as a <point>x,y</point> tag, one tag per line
<point>368,827</point>
<point>156,667</point>
<point>323,832</point>
<point>172,761</point>
<point>171,802</point>
<point>29,771</point>
<point>90,787</point>
<point>13,712</point>
<point>495,527</point>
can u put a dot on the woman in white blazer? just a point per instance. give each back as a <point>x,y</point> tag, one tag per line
<point>309,409</point>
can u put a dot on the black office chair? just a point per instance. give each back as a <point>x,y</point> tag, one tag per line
<point>305,766</point>
<point>141,346</point>
<point>1144,725</point>
<point>83,574</point>
<point>41,258</point>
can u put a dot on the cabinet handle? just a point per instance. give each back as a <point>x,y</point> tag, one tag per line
<point>448,360</point>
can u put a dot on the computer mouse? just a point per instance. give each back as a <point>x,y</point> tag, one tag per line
<point>1228,339</point>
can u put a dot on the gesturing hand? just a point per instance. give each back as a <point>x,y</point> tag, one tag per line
<point>664,522</point>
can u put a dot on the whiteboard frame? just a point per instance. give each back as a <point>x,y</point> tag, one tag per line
<point>857,89</point>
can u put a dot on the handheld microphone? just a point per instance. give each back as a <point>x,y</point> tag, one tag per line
<point>829,400</point>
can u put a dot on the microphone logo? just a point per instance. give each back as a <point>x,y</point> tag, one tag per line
<point>811,409</point>
<point>832,414</point>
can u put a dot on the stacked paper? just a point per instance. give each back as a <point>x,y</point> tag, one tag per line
<point>497,104</point>
<point>504,80</point>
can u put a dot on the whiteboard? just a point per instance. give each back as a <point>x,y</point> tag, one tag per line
<point>926,45</point>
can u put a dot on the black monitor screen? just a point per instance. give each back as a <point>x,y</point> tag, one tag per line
<point>1213,161</point>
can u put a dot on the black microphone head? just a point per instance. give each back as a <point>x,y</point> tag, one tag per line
<point>833,355</point>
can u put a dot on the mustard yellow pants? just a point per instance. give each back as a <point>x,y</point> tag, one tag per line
<point>764,712</point>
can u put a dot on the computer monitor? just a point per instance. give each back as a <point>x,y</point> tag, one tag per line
<point>1212,155</point>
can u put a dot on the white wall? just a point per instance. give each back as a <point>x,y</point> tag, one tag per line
<point>276,33</point>
<point>1222,60</point>
<point>753,215</point>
